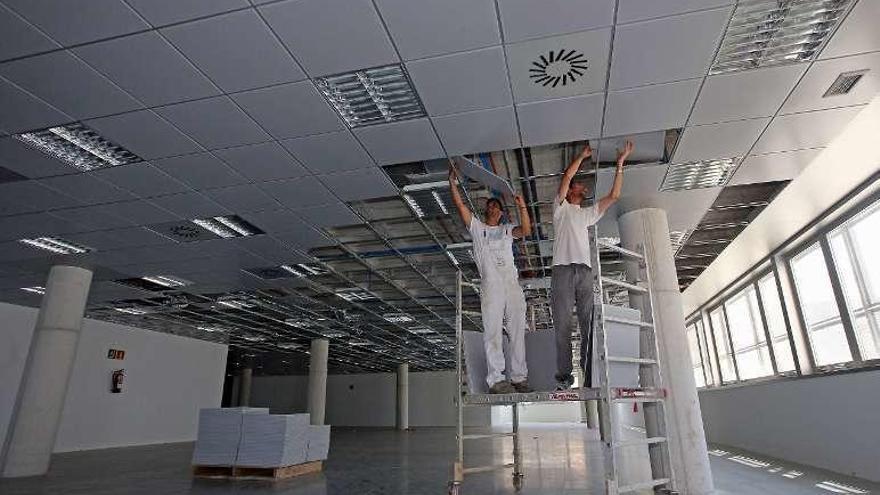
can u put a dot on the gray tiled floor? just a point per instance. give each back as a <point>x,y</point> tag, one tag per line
<point>559,459</point>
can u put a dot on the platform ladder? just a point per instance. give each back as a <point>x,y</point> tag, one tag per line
<point>650,395</point>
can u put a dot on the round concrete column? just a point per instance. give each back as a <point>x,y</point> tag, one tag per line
<point>649,227</point>
<point>44,381</point>
<point>244,387</point>
<point>317,399</point>
<point>403,396</point>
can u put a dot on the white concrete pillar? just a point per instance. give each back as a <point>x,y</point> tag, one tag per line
<point>244,387</point>
<point>47,370</point>
<point>403,396</point>
<point>317,399</point>
<point>691,473</point>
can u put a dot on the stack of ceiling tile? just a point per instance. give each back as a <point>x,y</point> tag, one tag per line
<point>219,434</point>
<point>318,443</point>
<point>273,440</point>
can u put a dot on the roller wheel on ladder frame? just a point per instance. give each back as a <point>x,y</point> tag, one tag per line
<point>454,488</point>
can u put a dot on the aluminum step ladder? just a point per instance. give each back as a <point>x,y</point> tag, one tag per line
<point>650,395</point>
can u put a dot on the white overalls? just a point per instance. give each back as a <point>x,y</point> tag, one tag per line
<point>502,300</point>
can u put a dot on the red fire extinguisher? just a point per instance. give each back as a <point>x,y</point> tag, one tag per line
<point>116,380</point>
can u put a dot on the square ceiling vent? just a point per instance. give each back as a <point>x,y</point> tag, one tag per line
<point>569,65</point>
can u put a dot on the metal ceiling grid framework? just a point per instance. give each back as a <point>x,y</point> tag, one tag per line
<point>351,223</point>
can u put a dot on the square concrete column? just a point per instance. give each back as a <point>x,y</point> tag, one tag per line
<point>403,396</point>
<point>317,399</point>
<point>43,385</point>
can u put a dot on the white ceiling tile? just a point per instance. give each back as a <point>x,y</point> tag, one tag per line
<point>33,225</point>
<point>745,95</point>
<point>298,193</point>
<point>23,112</point>
<point>772,167</point>
<point>331,215</point>
<point>303,238</point>
<point>162,12</point>
<point>149,68</point>
<point>120,238</point>
<point>68,84</point>
<point>523,19</point>
<point>142,179</point>
<point>427,28</point>
<point>668,49</point>
<point>18,38</point>
<point>96,217</point>
<point>262,162</point>
<point>143,212</point>
<point>358,185</point>
<point>290,110</point>
<point>805,130</point>
<point>328,153</point>
<point>638,10</point>
<point>727,140</point>
<point>648,148</point>
<point>29,162</point>
<point>145,134</point>
<point>236,50</point>
<point>190,205</point>
<point>272,220</point>
<point>480,82</point>
<point>563,120</point>
<point>200,170</point>
<point>81,22</point>
<point>214,122</point>
<point>808,94</point>
<point>531,61</point>
<point>268,248</point>
<point>331,36</point>
<point>87,189</point>
<point>30,196</point>
<point>399,142</point>
<point>243,198</point>
<point>477,132</point>
<point>650,108</point>
<point>857,34</point>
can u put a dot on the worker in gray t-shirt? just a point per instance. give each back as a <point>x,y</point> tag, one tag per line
<point>572,280</point>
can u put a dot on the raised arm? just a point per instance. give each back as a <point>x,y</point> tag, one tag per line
<point>463,211</point>
<point>570,172</point>
<point>525,223</point>
<point>613,195</point>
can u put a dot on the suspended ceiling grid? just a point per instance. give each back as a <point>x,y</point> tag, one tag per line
<point>224,132</point>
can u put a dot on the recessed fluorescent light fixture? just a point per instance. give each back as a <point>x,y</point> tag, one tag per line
<point>398,318</point>
<point>372,96</point>
<point>305,269</point>
<point>35,290</point>
<point>411,201</point>
<point>131,310</point>
<point>213,328</point>
<point>290,346</point>
<point>167,281</point>
<point>227,226</point>
<point>330,334</point>
<point>697,175</point>
<point>359,343</point>
<point>355,294</point>
<point>763,33</point>
<point>420,330</point>
<point>253,338</point>
<point>78,146</point>
<point>440,202</point>
<point>234,303</point>
<point>55,245</point>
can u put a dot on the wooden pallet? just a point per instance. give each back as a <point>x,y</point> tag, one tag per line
<point>276,473</point>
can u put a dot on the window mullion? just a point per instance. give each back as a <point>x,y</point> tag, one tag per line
<point>842,309</point>
<point>730,341</point>
<point>767,336</point>
<point>715,348</point>
<point>804,331</point>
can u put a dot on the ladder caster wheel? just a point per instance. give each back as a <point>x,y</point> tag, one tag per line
<point>517,481</point>
<point>454,488</point>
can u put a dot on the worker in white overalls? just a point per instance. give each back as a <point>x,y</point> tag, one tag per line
<point>502,298</point>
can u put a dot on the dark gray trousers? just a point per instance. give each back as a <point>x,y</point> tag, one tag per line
<point>572,286</point>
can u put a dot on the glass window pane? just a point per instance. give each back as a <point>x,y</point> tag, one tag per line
<point>706,354</point>
<point>696,357</point>
<point>719,332</point>
<point>776,323</point>
<point>819,308</point>
<point>753,363</point>
<point>747,332</point>
<point>866,241</point>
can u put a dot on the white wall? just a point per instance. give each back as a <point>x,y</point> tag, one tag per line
<point>826,421</point>
<point>167,380</point>
<point>370,400</point>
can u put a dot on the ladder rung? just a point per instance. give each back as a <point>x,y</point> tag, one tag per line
<point>641,486</point>
<point>617,359</point>
<point>624,321</point>
<point>637,400</point>
<point>623,251</point>
<point>625,285</point>
<point>640,441</point>
<point>487,435</point>
<point>470,284</point>
<point>483,469</point>
<point>471,313</point>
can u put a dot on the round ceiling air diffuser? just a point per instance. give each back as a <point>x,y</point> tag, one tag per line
<point>557,68</point>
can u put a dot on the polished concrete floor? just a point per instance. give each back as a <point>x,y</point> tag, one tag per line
<point>558,459</point>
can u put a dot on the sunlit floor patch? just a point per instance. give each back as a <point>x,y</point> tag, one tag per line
<point>748,461</point>
<point>793,474</point>
<point>718,452</point>
<point>835,487</point>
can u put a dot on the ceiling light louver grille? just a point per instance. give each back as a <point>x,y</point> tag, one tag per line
<point>844,83</point>
<point>372,96</point>
<point>78,146</point>
<point>764,33</point>
<point>697,175</point>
